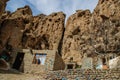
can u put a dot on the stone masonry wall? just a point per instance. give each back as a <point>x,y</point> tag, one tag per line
<point>29,67</point>
<point>84,74</point>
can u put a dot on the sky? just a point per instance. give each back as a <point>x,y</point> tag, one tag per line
<point>49,6</point>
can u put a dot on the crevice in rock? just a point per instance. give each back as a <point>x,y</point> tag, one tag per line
<point>61,43</point>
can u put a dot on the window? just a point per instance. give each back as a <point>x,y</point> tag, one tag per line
<point>111,57</point>
<point>70,66</point>
<point>39,58</point>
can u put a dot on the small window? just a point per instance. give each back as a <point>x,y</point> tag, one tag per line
<point>70,66</point>
<point>111,57</point>
<point>39,58</point>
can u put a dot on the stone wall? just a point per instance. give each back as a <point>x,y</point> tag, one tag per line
<point>53,61</point>
<point>114,63</point>
<point>84,74</point>
<point>30,67</point>
<point>87,63</point>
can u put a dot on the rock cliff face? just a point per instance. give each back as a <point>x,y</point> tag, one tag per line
<point>22,30</point>
<point>105,25</point>
<point>76,36</point>
<point>94,33</point>
<point>45,32</point>
<point>85,33</point>
<point>11,26</point>
<point>2,6</point>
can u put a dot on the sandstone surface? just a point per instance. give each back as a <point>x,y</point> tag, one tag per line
<point>93,33</point>
<point>2,6</point>
<point>75,42</point>
<point>45,31</point>
<point>11,27</point>
<point>85,33</point>
<point>105,26</point>
<point>22,30</point>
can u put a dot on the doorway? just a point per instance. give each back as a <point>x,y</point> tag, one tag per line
<point>70,66</point>
<point>104,61</point>
<point>18,60</point>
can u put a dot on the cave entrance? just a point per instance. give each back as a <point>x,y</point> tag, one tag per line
<point>18,60</point>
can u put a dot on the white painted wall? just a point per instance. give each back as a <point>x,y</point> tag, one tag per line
<point>114,63</point>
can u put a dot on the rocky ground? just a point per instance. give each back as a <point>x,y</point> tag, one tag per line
<point>20,77</point>
<point>84,32</point>
<point>76,74</point>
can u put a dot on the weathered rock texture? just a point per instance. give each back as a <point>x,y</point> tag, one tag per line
<point>11,26</point>
<point>2,6</point>
<point>85,32</point>
<point>94,33</point>
<point>76,36</point>
<point>22,30</point>
<point>45,32</point>
<point>105,25</point>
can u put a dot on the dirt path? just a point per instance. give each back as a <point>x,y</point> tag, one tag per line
<point>20,77</point>
<point>15,75</point>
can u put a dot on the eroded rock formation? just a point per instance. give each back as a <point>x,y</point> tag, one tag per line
<point>2,6</point>
<point>106,25</point>
<point>92,34</point>
<point>45,32</point>
<point>76,37</point>
<point>11,26</point>
<point>85,33</point>
<point>22,30</point>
